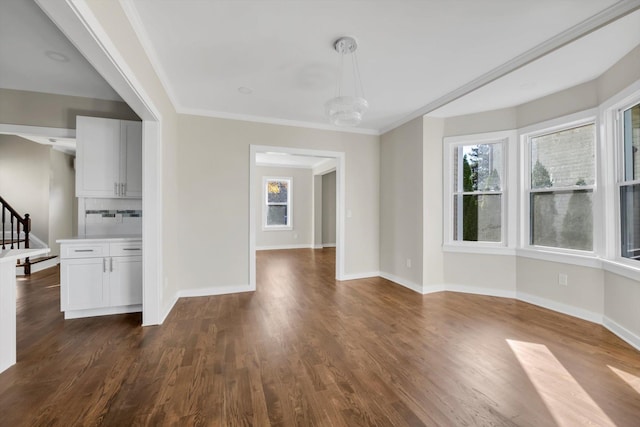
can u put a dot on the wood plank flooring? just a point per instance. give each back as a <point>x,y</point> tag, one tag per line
<point>307,350</point>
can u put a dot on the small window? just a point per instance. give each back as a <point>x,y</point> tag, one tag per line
<point>561,184</point>
<point>479,214</point>
<point>477,198</point>
<point>277,209</point>
<point>630,184</point>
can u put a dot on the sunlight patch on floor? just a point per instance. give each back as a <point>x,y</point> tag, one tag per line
<point>567,401</point>
<point>630,379</point>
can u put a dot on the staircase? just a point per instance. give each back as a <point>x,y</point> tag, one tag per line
<point>15,234</point>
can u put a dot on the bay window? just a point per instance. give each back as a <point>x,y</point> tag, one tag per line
<point>629,120</point>
<point>560,182</point>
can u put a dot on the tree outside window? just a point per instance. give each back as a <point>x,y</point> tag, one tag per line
<point>277,210</point>
<point>562,171</point>
<point>478,192</point>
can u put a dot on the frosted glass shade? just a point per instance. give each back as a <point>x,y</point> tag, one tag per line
<point>346,110</point>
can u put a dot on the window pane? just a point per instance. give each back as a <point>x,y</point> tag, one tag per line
<point>277,191</point>
<point>632,143</point>
<point>563,159</point>
<point>478,167</point>
<point>562,219</point>
<point>277,215</point>
<point>630,220</point>
<point>478,218</point>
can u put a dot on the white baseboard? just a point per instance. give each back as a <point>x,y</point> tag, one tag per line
<point>206,292</point>
<point>279,247</point>
<point>168,308</point>
<point>106,311</point>
<point>402,282</point>
<point>328,245</point>
<point>357,276</point>
<point>317,246</point>
<point>580,313</point>
<point>622,332</point>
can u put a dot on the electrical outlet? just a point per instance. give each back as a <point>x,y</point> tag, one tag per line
<point>295,235</point>
<point>563,279</point>
<point>409,262</point>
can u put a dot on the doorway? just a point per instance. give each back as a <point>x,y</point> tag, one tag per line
<point>321,163</point>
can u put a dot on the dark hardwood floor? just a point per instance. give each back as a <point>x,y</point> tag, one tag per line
<point>307,350</point>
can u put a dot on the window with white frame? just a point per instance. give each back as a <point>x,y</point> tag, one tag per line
<point>278,213</point>
<point>629,121</point>
<point>561,178</point>
<point>475,209</point>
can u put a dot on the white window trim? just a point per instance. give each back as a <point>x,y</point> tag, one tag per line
<point>571,256</point>
<point>509,199</point>
<point>289,225</point>
<point>610,112</point>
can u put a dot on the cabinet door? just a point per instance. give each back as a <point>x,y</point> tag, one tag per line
<point>131,158</point>
<point>125,281</point>
<point>82,283</point>
<point>97,157</point>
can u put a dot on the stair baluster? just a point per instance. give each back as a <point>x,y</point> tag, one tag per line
<point>19,224</point>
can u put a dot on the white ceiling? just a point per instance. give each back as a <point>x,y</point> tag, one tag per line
<point>29,41</point>
<point>411,53</point>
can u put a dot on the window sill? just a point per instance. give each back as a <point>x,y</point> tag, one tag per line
<point>284,228</point>
<point>478,249</point>
<point>562,257</point>
<point>622,268</point>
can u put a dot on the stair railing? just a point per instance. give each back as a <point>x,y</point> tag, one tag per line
<point>17,223</point>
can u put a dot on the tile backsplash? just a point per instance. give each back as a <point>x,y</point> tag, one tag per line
<point>110,216</point>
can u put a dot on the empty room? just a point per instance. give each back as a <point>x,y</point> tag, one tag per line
<point>320,213</point>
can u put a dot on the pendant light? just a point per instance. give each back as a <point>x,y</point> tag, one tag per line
<point>348,106</point>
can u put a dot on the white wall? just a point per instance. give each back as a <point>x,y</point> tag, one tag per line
<point>328,204</point>
<point>213,166</point>
<point>478,273</point>
<point>401,210</point>
<point>432,196</point>
<point>57,111</point>
<point>62,199</point>
<point>583,295</point>
<point>302,201</point>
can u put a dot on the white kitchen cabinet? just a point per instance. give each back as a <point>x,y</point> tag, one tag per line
<point>86,282</point>
<point>108,158</point>
<point>125,281</point>
<point>100,276</point>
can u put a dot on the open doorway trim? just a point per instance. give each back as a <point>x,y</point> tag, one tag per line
<point>340,202</point>
<point>78,23</point>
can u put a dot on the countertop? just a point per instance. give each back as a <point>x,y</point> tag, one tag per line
<point>99,239</point>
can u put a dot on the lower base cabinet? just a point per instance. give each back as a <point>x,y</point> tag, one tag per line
<point>100,278</point>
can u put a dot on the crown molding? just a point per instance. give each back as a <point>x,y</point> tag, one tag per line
<point>608,15</point>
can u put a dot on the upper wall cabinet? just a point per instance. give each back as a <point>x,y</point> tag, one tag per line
<point>108,158</point>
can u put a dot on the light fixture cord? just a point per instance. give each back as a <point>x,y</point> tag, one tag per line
<point>357,78</point>
<point>340,75</point>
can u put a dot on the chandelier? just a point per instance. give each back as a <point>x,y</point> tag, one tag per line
<point>347,107</point>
